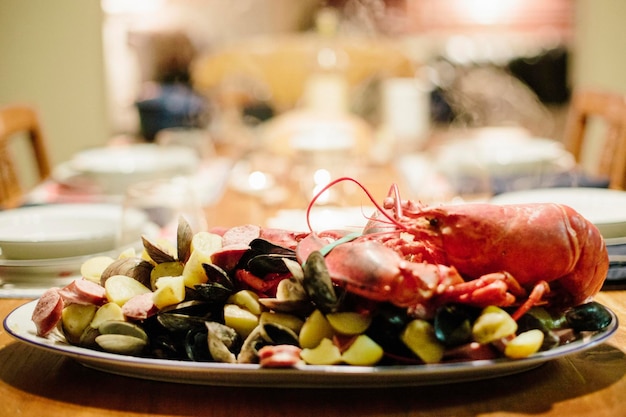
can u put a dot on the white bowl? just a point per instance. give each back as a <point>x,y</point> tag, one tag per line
<point>58,230</point>
<point>114,168</point>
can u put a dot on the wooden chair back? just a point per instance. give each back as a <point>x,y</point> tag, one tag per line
<point>20,121</point>
<point>610,109</point>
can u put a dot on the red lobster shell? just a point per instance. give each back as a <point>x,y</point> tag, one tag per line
<point>532,242</point>
<point>525,244</point>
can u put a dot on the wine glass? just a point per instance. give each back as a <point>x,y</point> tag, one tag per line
<point>153,209</point>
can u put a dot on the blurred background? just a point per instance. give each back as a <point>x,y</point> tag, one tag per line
<point>102,69</point>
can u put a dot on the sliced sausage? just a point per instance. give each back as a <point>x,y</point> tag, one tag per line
<point>279,356</point>
<point>241,235</point>
<point>227,257</point>
<point>83,291</point>
<point>48,311</point>
<point>282,237</point>
<point>140,307</point>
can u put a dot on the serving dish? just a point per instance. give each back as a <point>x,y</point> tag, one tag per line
<point>19,324</point>
<point>58,230</point>
<point>601,206</point>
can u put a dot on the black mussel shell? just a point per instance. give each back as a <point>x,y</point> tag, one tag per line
<point>453,325</point>
<point>184,316</point>
<point>387,324</point>
<point>176,322</point>
<point>197,345</point>
<point>166,346</point>
<point>277,334</point>
<point>262,265</point>
<point>590,316</point>
<point>213,292</point>
<point>216,274</point>
<point>264,247</point>
<point>318,284</point>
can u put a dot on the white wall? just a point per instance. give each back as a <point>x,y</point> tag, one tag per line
<point>51,57</point>
<point>599,58</point>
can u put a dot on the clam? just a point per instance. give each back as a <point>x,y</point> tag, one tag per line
<point>184,236</point>
<point>135,268</point>
<point>121,344</point>
<point>290,298</point>
<point>263,335</point>
<point>121,337</point>
<point>155,252</point>
<point>222,341</point>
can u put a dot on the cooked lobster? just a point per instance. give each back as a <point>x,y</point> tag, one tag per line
<point>478,254</point>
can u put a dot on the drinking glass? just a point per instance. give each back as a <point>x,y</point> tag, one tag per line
<point>153,209</point>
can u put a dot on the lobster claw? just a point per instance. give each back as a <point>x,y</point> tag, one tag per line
<point>499,288</point>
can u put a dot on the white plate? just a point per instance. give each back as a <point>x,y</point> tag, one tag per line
<point>30,278</point>
<point>322,218</point>
<point>505,156</point>
<point>58,230</point>
<point>113,168</point>
<point>20,326</point>
<point>603,207</point>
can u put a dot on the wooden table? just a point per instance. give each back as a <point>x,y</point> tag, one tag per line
<point>38,383</point>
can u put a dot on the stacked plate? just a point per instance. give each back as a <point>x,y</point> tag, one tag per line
<point>43,246</point>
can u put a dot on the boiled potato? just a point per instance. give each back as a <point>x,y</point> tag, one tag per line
<point>165,269</point>
<point>314,329</point>
<point>493,324</point>
<point>326,353</point>
<point>419,336</point>
<point>107,312</point>
<point>349,323</point>
<point>120,288</point>
<point>203,245</point>
<point>240,319</point>
<point>169,291</point>
<point>92,268</point>
<point>288,320</point>
<point>363,352</point>
<point>246,299</point>
<point>524,344</point>
<point>75,318</point>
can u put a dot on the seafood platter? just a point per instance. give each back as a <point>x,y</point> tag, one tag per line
<point>421,295</point>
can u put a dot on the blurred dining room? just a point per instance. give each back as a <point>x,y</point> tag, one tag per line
<point>156,155</point>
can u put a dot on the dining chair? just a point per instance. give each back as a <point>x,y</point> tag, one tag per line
<point>608,111</point>
<point>21,123</point>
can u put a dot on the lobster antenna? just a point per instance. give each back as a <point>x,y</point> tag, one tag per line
<point>362,187</point>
